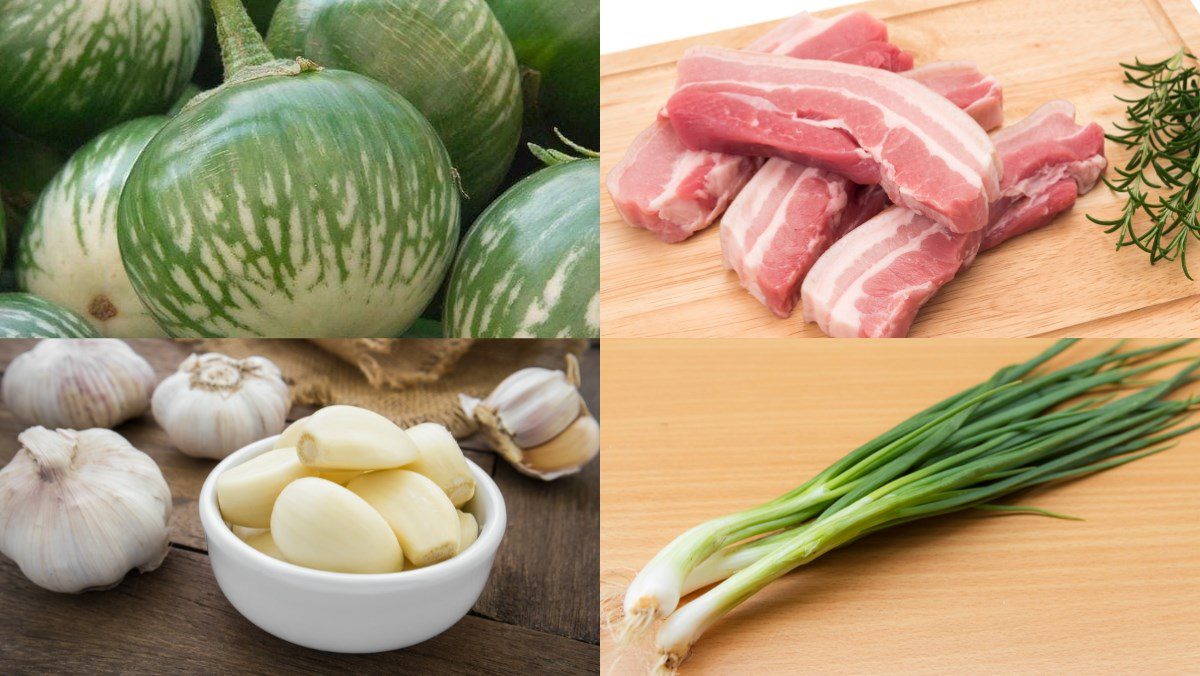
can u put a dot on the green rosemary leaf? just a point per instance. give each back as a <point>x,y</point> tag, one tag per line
<point>1161,180</point>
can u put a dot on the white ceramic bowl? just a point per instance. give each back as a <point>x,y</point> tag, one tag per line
<point>345,612</point>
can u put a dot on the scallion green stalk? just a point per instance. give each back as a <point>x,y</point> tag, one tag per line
<point>1016,430</point>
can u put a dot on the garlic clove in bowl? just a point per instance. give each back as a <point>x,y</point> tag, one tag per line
<point>78,510</point>
<point>215,404</point>
<point>78,383</point>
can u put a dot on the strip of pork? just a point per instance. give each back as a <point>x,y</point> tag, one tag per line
<point>870,126</point>
<point>873,282</point>
<point>789,214</point>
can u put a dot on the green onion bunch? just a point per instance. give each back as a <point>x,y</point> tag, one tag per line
<point>1025,426</point>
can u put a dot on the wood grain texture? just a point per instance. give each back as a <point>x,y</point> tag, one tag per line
<point>176,619</point>
<point>1065,278</point>
<point>536,613</point>
<point>697,429</point>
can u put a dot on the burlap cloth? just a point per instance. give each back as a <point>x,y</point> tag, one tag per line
<point>409,380</point>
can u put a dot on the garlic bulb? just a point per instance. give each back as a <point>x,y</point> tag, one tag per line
<point>78,510</point>
<point>214,404</point>
<point>534,404</point>
<point>89,382</point>
<point>538,422</point>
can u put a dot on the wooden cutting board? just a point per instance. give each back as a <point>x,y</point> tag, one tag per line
<point>1063,280</point>
<point>697,429</point>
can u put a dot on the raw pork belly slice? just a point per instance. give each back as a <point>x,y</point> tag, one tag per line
<point>664,187</point>
<point>873,282</point>
<point>870,126</point>
<point>1048,160</point>
<point>786,216</point>
<point>784,219</point>
<point>978,95</point>
<point>672,191</point>
<point>853,37</point>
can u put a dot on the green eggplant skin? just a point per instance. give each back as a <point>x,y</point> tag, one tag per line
<point>316,204</point>
<point>72,68</point>
<point>24,315</point>
<point>69,252</point>
<point>561,40</point>
<point>449,59</point>
<point>530,266</point>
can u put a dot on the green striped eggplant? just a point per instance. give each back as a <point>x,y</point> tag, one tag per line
<point>449,59</point>
<point>561,42</point>
<point>290,201</point>
<point>24,315</point>
<point>530,266</point>
<point>72,68</point>
<point>69,252</point>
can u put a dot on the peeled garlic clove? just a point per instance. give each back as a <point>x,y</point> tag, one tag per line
<point>565,454</point>
<point>442,461</point>
<point>533,405</point>
<point>265,543</point>
<point>214,404</point>
<point>78,510</point>
<point>349,437</point>
<point>246,493</point>
<point>468,530</point>
<point>340,476</point>
<point>291,436</point>
<point>319,524</point>
<point>422,517</point>
<point>79,384</point>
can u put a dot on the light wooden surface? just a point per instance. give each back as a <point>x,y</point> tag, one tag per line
<point>535,614</point>
<point>1064,279</point>
<point>696,429</point>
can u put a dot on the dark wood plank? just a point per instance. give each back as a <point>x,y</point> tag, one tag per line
<point>176,617</point>
<point>551,552</point>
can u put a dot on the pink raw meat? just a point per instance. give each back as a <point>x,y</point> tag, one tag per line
<point>978,95</point>
<point>870,126</point>
<point>853,37</point>
<point>783,220</point>
<point>664,187</point>
<point>873,282</point>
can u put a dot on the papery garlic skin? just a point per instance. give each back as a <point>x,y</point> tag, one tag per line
<point>214,404</point>
<point>79,510</point>
<point>565,454</point>
<point>78,383</point>
<point>534,405</point>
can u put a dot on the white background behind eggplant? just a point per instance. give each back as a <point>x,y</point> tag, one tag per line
<point>626,24</point>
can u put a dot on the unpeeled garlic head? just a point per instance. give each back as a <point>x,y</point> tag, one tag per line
<point>78,510</point>
<point>533,405</point>
<point>80,383</point>
<point>537,421</point>
<point>214,404</point>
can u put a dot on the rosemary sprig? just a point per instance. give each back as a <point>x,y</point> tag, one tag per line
<point>1162,178</point>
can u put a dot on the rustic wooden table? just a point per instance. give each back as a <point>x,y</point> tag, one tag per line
<point>537,613</point>
<point>696,429</point>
